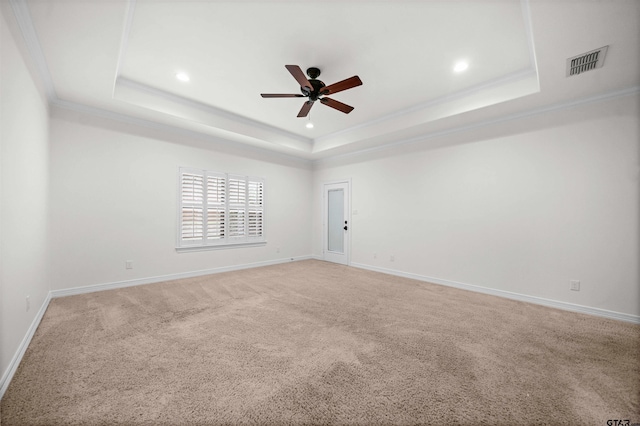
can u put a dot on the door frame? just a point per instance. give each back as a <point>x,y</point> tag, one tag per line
<point>347,206</point>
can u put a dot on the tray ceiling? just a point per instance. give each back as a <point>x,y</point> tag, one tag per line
<point>122,57</point>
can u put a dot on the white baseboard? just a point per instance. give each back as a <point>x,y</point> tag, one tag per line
<point>22,348</point>
<point>161,278</point>
<point>507,294</point>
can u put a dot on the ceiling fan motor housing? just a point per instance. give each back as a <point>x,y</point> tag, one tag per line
<point>316,84</point>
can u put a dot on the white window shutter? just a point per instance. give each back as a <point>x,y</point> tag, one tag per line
<point>192,224</point>
<point>191,207</point>
<point>255,207</point>
<point>219,209</point>
<point>237,206</point>
<point>216,207</point>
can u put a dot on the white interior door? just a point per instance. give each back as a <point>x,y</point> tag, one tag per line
<point>336,222</point>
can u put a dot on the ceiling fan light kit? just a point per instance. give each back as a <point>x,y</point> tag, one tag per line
<point>316,90</point>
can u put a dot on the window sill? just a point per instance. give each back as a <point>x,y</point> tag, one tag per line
<point>188,249</point>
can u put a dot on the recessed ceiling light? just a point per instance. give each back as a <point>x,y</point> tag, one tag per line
<point>309,125</point>
<point>460,66</point>
<point>182,76</point>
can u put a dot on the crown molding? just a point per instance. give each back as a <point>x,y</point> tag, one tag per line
<point>124,40</point>
<point>529,73</point>
<point>203,113</point>
<point>167,128</point>
<point>23,18</point>
<point>560,106</point>
<point>525,75</point>
<point>132,92</point>
<point>526,18</point>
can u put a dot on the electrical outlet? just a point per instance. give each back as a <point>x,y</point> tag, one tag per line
<point>574,285</point>
<point>392,258</point>
<point>28,303</point>
<point>128,264</point>
<point>277,249</point>
<point>375,255</point>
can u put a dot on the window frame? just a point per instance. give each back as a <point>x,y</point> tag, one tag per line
<point>227,241</point>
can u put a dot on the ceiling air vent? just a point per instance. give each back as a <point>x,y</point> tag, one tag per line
<point>586,62</point>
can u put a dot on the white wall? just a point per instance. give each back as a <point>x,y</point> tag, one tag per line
<point>113,191</point>
<point>524,206</point>
<point>24,199</point>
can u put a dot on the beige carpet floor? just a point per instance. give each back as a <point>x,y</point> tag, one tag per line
<point>316,343</point>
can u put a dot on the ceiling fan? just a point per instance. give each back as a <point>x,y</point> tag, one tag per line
<point>313,89</point>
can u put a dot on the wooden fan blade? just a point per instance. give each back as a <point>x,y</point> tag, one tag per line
<point>337,105</point>
<point>297,73</point>
<point>306,107</point>
<point>341,85</point>
<point>279,95</point>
